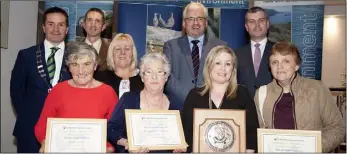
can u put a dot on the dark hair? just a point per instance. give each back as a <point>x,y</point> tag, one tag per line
<point>286,48</point>
<point>254,10</point>
<point>93,9</point>
<point>55,9</point>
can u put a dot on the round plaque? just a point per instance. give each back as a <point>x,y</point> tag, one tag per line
<point>219,136</point>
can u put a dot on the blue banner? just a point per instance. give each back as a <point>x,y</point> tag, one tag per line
<point>302,24</point>
<point>152,23</point>
<point>307,35</point>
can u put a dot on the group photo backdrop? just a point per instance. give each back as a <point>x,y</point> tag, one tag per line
<point>301,23</point>
<point>152,23</point>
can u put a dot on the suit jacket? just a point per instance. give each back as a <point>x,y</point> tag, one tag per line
<point>181,80</point>
<point>103,54</point>
<point>29,90</point>
<point>245,69</point>
<point>242,101</point>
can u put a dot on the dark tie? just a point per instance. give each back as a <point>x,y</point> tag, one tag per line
<point>257,58</point>
<point>51,64</point>
<point>195,58</point>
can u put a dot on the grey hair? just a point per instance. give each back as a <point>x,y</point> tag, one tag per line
<point>197,4</point>
<point>155,56</point>
<point>76,50</point>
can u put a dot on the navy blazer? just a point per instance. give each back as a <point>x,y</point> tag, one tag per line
<point>245,69</point>
<point>29,90</point>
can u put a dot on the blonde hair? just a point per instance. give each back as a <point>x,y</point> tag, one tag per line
<point>196,4</point>
<point>110,59</point>
<point>209,64</point>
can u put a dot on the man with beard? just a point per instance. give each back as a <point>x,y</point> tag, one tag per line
<point>36,70</point>
<point>94,24</point>
<point>187,54</point>
<point>253,59</point>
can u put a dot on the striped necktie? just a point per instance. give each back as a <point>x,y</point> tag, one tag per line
<point>195,58</point>
<point>51,64</point>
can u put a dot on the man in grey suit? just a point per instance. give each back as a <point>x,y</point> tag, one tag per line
<point>187,54</point>
<point>253,59</point>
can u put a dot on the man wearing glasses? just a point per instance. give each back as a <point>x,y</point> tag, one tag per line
<point>187,54</point>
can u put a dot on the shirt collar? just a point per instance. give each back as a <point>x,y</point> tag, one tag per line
<point>49,45</point>
<point>96,43</point>
<point>262,42</point>
<point>201,39</point>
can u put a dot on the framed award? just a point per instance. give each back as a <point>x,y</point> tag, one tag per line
<point>219,130</point>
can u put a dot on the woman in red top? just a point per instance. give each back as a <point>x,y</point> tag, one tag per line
<point>80,97</point>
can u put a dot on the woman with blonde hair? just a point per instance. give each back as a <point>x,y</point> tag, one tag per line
<point>220,91</point>
<point>122,74</point>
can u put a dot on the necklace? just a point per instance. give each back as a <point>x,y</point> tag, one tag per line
<point>147,102</point>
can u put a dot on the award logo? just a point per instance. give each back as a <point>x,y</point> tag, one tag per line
<point>219,136</point>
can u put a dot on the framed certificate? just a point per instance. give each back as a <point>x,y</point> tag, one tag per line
<point>282,140</point>
<point>219,130</point>
<point>154,129</point>
<point>75,135</point>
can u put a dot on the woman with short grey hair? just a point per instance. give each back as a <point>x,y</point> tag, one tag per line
<point>154,72</point>
<point>148,58</point>
<point>80,97</point>
<point>76,50</point>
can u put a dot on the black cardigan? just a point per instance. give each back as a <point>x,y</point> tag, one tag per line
<point>243,100</point>
<point>111,79</point>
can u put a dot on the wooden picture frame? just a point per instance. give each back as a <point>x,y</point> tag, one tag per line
<point>219,130</point>
<point>284,140</point>
<point>76,135</point>
<point>154,129</point>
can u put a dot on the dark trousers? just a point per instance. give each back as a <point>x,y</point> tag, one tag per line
<point>28,144</point>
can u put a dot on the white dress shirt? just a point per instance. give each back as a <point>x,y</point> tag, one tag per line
<point>96,44</point>
<point>58,58</point>
<point>261,47</point>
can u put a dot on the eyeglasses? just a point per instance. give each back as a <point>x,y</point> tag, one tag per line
<point>151,73</point>
<point>198,19</point>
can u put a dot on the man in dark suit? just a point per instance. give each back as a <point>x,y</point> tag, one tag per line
<point>187,54</point>
<point>94,24</point>
<point>36,70</point>
<point>253,59</point>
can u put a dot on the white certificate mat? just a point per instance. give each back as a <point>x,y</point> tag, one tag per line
<point>154,129</point>
<point>75,135</point>
<point>281,140</point>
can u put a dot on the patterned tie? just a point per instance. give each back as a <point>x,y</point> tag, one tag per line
<point>257,58</point>
<point>51,64</point>
<point>195,58</point>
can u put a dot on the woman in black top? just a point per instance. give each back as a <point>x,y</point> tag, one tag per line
<point>222,90</point>
<point>122,74</point>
